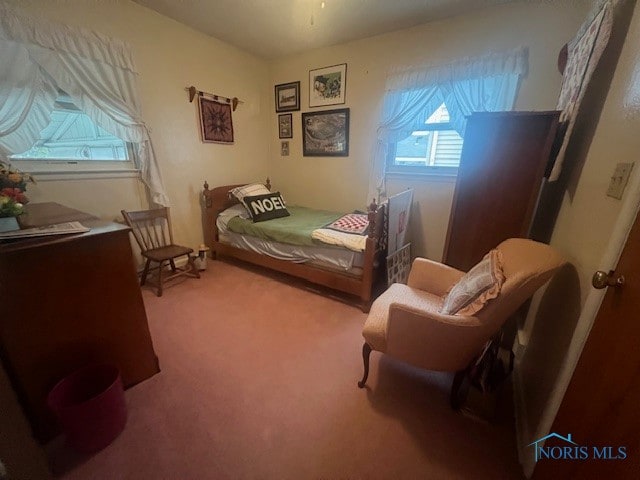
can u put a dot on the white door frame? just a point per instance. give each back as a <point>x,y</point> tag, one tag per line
<point>617,242</point>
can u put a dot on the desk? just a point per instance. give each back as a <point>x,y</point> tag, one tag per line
<point>70,300</point>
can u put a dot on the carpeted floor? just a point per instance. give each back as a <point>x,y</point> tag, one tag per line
<point>259,380</point>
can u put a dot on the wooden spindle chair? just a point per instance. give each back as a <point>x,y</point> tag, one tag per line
<point>152,231</point>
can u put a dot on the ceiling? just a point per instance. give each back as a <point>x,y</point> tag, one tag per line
<point>274,28</point>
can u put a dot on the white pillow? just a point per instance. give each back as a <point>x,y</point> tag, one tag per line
<point>231,212</point>
<point>248,191</point>
<point>479,285</point>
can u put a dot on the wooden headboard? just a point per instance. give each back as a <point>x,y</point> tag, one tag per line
<point>216,201</point>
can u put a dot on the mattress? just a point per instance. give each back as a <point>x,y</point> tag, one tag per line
<point>324,256</point>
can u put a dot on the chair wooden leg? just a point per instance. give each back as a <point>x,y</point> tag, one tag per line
<point>145,272</point>
<point>366,352</point>
<point>159,292</point>
<point>455,389</point>
<point>173,265</point>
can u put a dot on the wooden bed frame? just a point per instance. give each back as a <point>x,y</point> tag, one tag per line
<point>217,199</point>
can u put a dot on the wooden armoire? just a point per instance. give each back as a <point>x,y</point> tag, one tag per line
<point>502,166</point>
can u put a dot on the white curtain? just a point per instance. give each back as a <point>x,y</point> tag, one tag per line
<point>26,99</point>
<point>96,72</point>
<point>482,84</point>
<point>486,94</point>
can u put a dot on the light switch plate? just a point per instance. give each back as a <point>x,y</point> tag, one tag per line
<point>619,180</point>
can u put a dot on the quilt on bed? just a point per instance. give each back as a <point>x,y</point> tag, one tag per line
<point>304,226</point>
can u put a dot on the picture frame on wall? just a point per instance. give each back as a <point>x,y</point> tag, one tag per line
<point>287,97</point>
<point>284,148</point>
<point>285,125</point>
<point>326,133</point>
<point>327,85</point>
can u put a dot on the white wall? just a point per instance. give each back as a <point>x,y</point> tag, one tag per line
<point>341,183</point>
<point>170,57</point>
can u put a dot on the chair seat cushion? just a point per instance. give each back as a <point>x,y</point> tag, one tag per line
<point>166,253</point>
<point>375,328</point>
<point>479,285</point>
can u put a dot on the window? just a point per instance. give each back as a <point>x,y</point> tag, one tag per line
<point>72,142</point>
<point>434,149</point>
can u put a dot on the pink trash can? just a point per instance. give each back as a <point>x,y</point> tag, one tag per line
<point>90,407</point>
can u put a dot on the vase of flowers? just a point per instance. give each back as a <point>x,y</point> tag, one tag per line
<point>13,184</point>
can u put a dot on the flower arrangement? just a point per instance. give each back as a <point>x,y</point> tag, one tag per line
<point>13,184</point>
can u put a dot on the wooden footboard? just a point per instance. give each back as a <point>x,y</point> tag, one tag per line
<point>217,199</point>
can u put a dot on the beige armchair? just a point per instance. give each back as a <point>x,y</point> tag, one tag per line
<point>405,322</point>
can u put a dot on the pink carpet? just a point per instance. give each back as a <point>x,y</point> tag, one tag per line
<point>259,380</point>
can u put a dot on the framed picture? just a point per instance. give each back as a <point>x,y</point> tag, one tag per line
<point>284,149</point>
<point>285,125</point>
<point>326,133</point>
<point>216,125</point>
<point>288,97</point>
<point>327,85</point>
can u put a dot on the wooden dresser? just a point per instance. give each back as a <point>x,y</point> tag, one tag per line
<point>499,180</point>
<point>68,301</point>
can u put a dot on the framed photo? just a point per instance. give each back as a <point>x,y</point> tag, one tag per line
<point>326,133</point>
<point>216,125</point>
<point>288,97</point>
<point>327,85</point>
<point>285,125</point>
<point>284,149</point>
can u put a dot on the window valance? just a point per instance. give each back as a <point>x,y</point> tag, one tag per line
<point>18,26</point>
<point>512,62</point>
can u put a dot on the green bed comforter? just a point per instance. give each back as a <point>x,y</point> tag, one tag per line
<point>295,229</point>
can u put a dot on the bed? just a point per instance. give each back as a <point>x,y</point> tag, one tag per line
<point>338,268</point>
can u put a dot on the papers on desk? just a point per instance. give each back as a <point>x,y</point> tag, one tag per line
<point>57,229</point>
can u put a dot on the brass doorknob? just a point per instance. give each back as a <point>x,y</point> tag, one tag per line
<point>603,279</point>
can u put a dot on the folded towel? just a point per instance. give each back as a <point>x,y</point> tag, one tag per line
<point>357,243</point>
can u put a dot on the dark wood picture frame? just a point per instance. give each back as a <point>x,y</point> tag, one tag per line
<point>285,125</point>
<point>326,133</point>
<point>287,97</point>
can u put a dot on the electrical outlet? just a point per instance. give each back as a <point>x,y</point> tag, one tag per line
<point>619,180</point>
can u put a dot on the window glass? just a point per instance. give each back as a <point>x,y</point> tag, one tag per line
<point>436,148</point>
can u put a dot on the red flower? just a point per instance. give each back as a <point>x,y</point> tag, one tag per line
<point>15,193</point>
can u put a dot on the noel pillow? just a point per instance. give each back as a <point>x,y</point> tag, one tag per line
<point>266,207</point>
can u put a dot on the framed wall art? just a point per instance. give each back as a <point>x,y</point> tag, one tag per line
<point>284,148</point>
<point>287,97</point>
<point>327,85</point>
<point>326,133</point>
<point>216,125</point>
<point>285,125</point>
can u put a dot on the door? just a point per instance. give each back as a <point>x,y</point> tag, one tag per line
<point>602,404</point>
